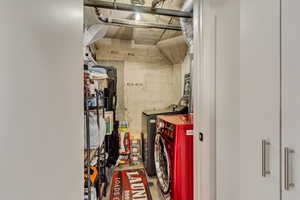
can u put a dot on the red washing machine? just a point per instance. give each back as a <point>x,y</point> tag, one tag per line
<point>174,156</point>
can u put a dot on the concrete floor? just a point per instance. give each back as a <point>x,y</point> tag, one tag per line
<point>154,189</point>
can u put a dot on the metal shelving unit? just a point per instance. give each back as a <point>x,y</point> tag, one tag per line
<point>101,153</point>
<point>88,146</point>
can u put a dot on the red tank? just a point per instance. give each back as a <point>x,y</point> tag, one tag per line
<point>174,156</point>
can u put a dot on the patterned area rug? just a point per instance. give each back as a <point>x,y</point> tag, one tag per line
<point>130,185</point>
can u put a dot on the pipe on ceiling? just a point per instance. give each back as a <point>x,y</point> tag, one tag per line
<point>135,8</point>
<point>137,24</point>
<point>187,24</point>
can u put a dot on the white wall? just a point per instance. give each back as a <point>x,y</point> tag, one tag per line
<point>41,126</point>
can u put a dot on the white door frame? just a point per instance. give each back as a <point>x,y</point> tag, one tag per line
<point>204,79</point>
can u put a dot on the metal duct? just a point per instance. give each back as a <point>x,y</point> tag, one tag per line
<point>94,33</point>
<point>138,24</point>
<point>135,8</point>
<point>174,49</point>
<point>187,24</point>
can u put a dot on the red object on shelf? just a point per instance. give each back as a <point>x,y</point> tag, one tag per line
<point>125,147</point>
<point>174,156</point>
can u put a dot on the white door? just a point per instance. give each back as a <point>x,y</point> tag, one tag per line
<point>260,100</point>
<point>41,100</point>
<point>290,99</point>
<point>227,48</point>
<point>204,104</point>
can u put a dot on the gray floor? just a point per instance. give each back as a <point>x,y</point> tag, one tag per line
<point>155,193</point>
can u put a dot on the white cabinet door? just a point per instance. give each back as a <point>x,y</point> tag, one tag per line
<point>227,47</point>
<point>291,99</point>
<point>260,99</point>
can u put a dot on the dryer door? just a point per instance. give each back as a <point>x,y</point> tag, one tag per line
<point>162,164</point>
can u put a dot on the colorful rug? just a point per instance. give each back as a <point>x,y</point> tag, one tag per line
<point>130,185</point>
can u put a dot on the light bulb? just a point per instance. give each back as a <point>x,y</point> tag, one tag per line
<point>137,16</point>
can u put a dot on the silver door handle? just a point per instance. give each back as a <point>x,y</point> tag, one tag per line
<point>265,171</point>
<point>287,169</point>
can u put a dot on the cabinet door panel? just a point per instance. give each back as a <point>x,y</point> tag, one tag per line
<point>227,66</point>
<point>291,98</point>
<point>260,99</point>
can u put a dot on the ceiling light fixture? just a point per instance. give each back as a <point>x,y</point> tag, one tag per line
<point>137,16</point>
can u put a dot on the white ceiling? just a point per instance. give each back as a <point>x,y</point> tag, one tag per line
<point>139,35</point>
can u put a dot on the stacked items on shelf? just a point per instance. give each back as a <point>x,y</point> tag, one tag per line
<point>97,127</point>
<point>130,148</point>
<point>95,130</point>
<point>136,152</point>
<point>92,138</point>
<point>109,122</point>
<point>93,179</point>
<point>93,194</point>
<point>124,143</point>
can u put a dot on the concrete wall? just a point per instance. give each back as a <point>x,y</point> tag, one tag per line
<point>147,86</point>
<point>178,79</point>
<point>146,79</point>
<point>126,50</point>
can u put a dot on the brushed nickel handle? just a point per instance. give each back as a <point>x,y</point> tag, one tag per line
<point>265,171</point>
<point>287,169</point>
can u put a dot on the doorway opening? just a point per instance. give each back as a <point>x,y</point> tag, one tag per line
<point>138,99</point>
